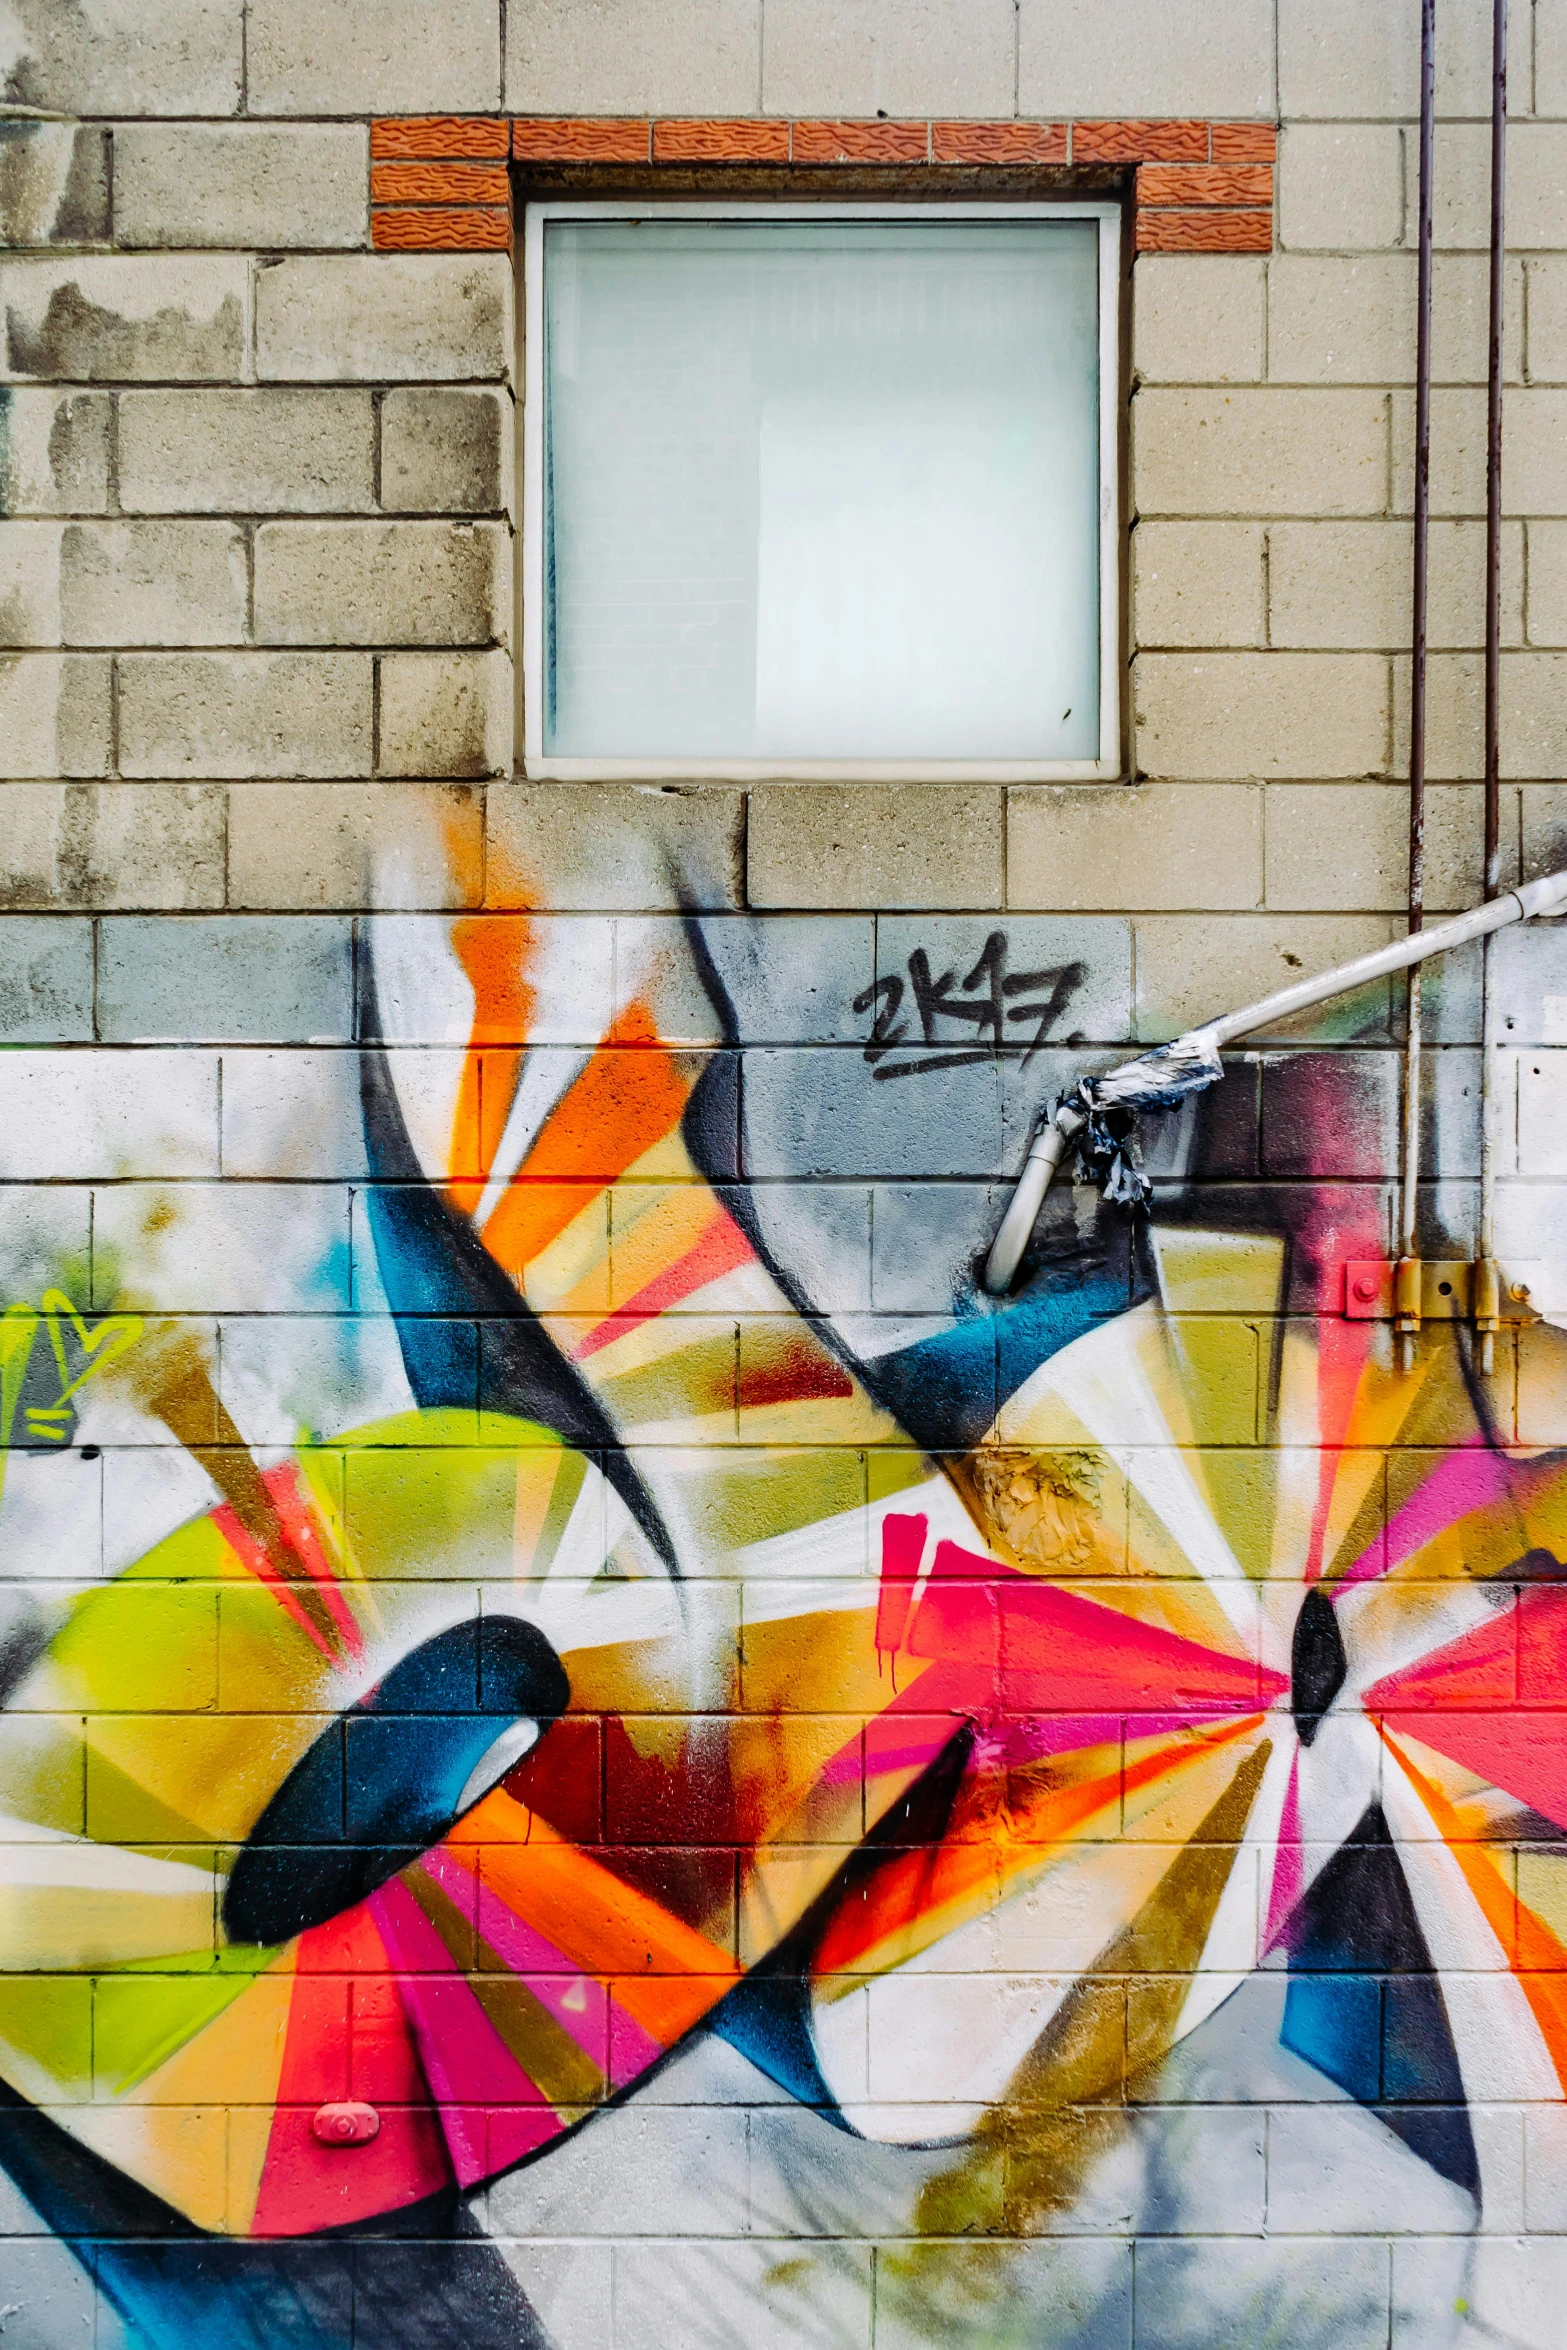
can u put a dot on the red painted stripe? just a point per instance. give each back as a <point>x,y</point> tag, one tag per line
<point>720,1250</point>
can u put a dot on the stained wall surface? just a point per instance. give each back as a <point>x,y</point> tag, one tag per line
<point>1049,1818</point>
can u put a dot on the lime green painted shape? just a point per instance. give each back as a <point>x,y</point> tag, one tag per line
<point>142,2017</point>
<point>18,1327</point>
<point>570,1476</point>
<point>121,1811</point>
<point>1218,1376</point>
<point>1242,1492</point>
<point>741,1497</point>
<point>139,1646</point>
<point>1218,1272</point>
<point>893,1469</point>
<point>434,1511</point>
<point>194,1553</point>
<point>47,2021</point>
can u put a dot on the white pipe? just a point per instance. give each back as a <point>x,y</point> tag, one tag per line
<point>1056,1133</point>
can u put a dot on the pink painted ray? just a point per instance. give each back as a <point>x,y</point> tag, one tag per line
<point>1469,1478</point>
<point>468,2066</point>
<point>1288,1862</point>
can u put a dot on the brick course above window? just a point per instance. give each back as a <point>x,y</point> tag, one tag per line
<point>437,182</point>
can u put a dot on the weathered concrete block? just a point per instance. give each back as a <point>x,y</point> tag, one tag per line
<point>1346,585</point>
<point>54,451</point>
<point>152,583</point>
<point>30,583</point>
<point>1199,318</point>
<point>112,844</point>
<point>1260,452</point>
<point>1335,320</point>
<point>1543,828</point>
<point>1547,311</point>
<point>1198,583</point>
<point>1337,847</point>
<point>878,845</point>
<point>819,1111</point>
<point>186,1248</point>
<point>112,318</point>
<point>1461,195</point>
<point>84,1118</point>
<point>1331,1117</point>
<point>633,56</point>
<point>417,846</point>
<point>233,977</point>
<point>1550,57</point>
<point>121,57</point>
<point>446,714</point>
<point>238,184</point>
<point>404,316</point>
<point>1190,967</point>
<point>238,714</point>
<point>1261,714</point>
<point>933,57</point>
<point>1455,843</point>
<point>1534,451</point>
<point>54,714</point>
<point>614,845</point>
<point>373,57</point>
<point>1454,704</point>
<point>1547,616</point>
<point>1533,716</point>
<point>1077,57</point>
<point>383,583</point>
<point>1339,59</point>
<point>447,452</point>
<point>1156,845</point>
<point>1457,453</point>
<point>1351,319</point>
<point>258,452</point>
<point>54,183</point>
<point>46,977</point>
<point>1341,186</point>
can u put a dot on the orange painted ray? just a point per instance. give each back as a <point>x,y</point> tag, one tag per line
<point>494,952</point>
<point>1533,1952</point>
<point>632,1093</point>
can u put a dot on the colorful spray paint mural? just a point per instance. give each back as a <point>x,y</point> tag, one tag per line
<point>569,1676</point>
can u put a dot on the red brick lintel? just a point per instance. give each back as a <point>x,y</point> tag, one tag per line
<point>437,180</point>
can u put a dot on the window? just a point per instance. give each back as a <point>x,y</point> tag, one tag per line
<point>821,490</point>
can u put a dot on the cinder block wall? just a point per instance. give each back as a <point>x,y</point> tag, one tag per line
<point>257,696</point>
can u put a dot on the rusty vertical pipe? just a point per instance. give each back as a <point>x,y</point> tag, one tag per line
<point>1493,449</point>
<point>1487,1297</point>
<point>1408,1321</point>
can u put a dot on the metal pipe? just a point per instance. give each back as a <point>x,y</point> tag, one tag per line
<point>1057,1130</point>
<point>1487,1290</point>
<point>1408,1322</point>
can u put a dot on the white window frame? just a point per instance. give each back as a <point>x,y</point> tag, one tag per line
<point>1106,768</point>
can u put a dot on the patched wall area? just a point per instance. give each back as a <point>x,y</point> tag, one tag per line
<point>597,1744</point>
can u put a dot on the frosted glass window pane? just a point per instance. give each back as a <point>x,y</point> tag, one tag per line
<point>822,489</point>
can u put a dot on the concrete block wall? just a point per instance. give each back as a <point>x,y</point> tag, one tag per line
<point>290,941</point>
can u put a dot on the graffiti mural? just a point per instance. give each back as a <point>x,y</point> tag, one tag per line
<point>545,1607</point>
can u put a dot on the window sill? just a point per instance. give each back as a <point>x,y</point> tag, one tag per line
<point>535,770</point>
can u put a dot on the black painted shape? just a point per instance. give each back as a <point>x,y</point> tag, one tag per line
<point>1356,1946</point>
<point>434,1267</point>
<point>1317,1662</point>
<point>381,1784</point>
<point>767,2017</point>
<point>420,2276</point>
